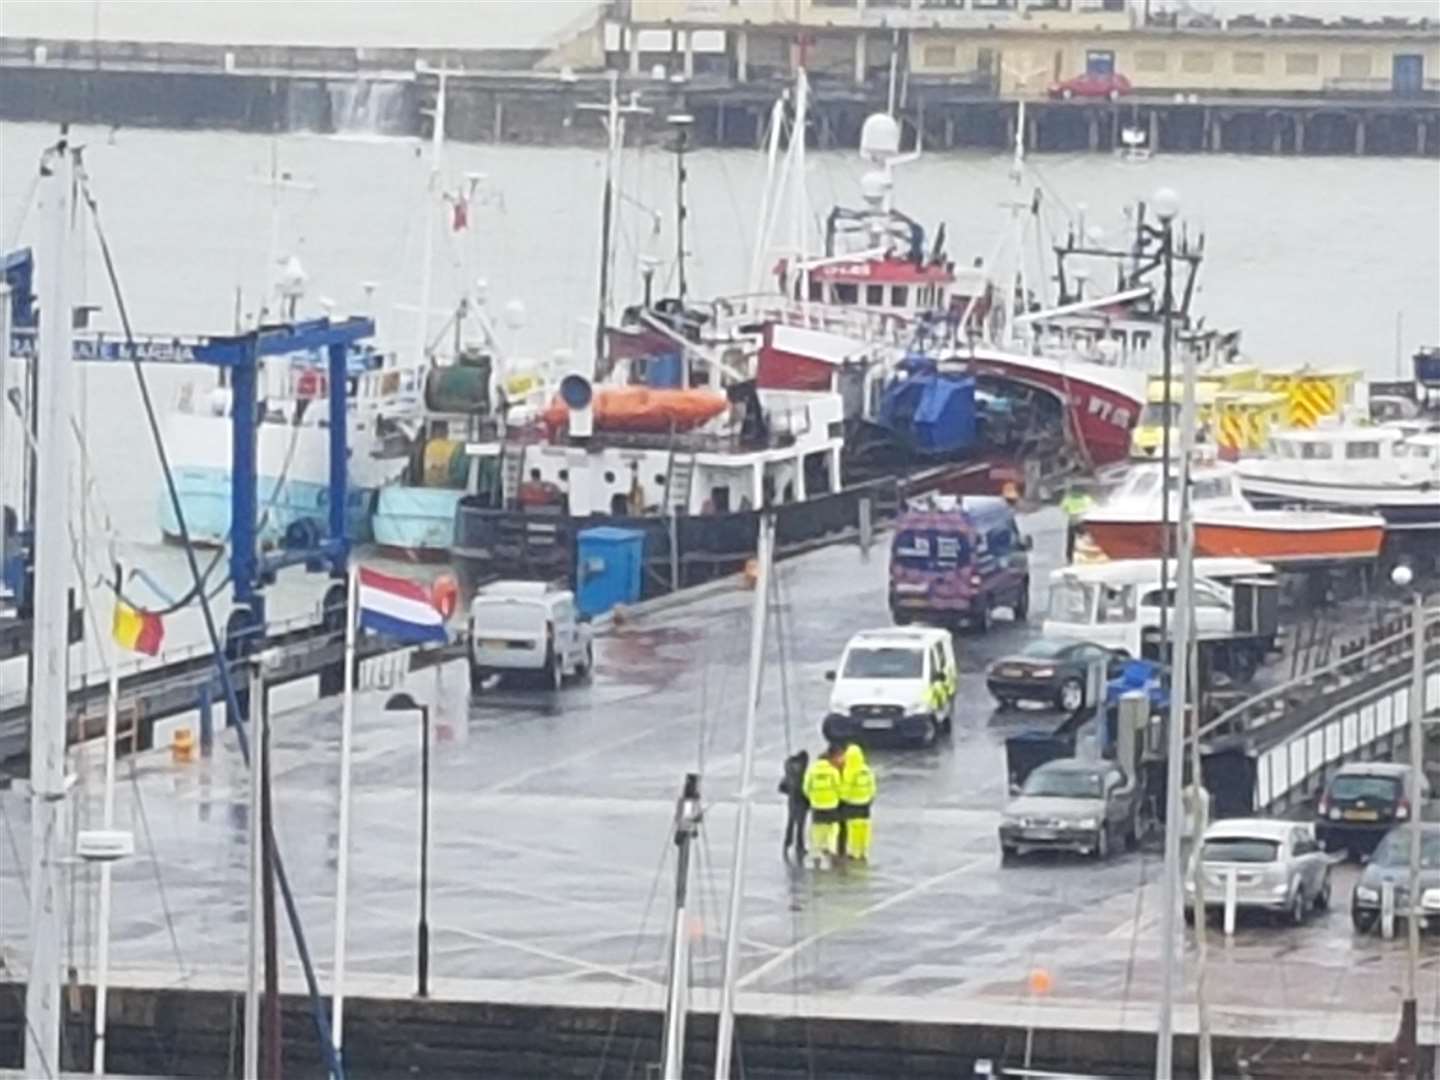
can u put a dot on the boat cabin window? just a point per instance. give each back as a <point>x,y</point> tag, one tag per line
<point>875,295</point>
<point>1360,450</point>
<point>1072,601</point>
<point>846,293</point>
<point>1141,340</point>
<point>1117,604</point>
<point>817,291</point>
<point>1316,451</point>
<point>899,296</point>
<point>1215,487</point>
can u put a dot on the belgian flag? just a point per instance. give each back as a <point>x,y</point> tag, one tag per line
<point>138,631</point>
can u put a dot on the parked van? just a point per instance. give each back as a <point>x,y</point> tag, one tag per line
<point>1118,605</point>
<point>894,683</point>
<point>955,560</point>
<point>528,628</point>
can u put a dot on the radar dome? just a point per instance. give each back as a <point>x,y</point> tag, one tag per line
<point>880,137</point>
<point>873,186</point>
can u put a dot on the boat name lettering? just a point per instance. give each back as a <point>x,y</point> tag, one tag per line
<point>1110,413</point>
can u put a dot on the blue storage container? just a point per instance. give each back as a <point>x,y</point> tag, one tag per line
<point>608,564</point>
<point>665,370</point>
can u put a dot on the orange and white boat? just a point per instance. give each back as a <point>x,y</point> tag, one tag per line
<point>1130,525</point>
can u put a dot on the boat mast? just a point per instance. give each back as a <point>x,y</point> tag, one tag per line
<point>799,209</point>
<point>437,150</point>
<point>764,225</point>
<point>51,640</point>
<point>677,994</point>
<point>681,122</point>
<point>725,1023</point>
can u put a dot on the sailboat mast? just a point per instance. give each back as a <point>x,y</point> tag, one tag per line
<point>677,994</point>
<point>51,640</point>
<point>681,122</point>
<point>725,1024</point>
<point>427,270</point>
<point>764,223</point>
<point>799,210</point>
<point>607,218</point>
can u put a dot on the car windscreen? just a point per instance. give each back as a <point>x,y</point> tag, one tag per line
<point>1374,788</point>
<point>1071,601</point>
<point>1394,850</point>
<point>493,615</point>
<point>884,662</point>
<point>1063,784</point>
<point>930,549</point>
<point>1241,849</point>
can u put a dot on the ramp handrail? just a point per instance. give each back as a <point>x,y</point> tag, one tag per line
<point>1348,660</point>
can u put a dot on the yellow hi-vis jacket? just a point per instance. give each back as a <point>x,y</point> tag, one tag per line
<point>822,785</point>
<point>857,782</point>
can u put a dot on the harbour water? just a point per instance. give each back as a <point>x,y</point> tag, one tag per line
<point>1321,261</point>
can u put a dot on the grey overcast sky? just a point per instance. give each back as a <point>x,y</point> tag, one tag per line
<point>475,23</point>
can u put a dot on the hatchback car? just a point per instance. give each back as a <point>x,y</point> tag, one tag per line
<point>1390,866</point>
<point>1093,84</point>
<point>1278,868</point>
<point>1070,805</point>
<point>1362,802</point>
<point>1051,671</point>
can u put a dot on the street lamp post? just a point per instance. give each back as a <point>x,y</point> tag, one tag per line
<point>1167,205</point>
<point>406,703</point>
<point>1409,1014</point>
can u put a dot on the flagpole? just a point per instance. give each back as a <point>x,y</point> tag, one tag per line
<point>102,972</point>
<point>342,861</point>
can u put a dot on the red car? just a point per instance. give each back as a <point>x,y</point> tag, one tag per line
<point>1093,84</point>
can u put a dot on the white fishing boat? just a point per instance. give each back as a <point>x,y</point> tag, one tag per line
<point>1385,470</point>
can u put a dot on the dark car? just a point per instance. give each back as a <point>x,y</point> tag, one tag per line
<point>1071,805</point>
<point>1052,671</point>
<point>1362,802</point>
<point>1093,84</point>
<point>1390,868</point>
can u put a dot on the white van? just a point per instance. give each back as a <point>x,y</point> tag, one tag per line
<point>883,685</point>
<point>1118,605</point>
<point>528,628</point>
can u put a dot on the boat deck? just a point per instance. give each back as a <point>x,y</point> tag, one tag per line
<point>552,857</point>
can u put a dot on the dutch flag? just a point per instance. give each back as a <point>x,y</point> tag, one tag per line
<point>398,609</point>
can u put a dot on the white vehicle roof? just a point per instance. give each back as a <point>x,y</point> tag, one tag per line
<point>898,636</point>
<point>1381,433</point>
<point>1251,829</point>
<point>1147,571</point>
<point>518,590</point>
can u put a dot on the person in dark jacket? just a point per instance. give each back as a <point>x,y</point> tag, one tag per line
<point>797,805</point>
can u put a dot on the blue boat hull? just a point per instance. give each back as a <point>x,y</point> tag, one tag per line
<point>205,500</point>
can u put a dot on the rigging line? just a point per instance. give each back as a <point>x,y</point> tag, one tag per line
<point>155,866</point>
<point>15,853</point>
<point>634,955</point>
<point>26,205</point>
<point>333,1061</point>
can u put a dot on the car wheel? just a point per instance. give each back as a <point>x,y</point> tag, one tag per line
<point>1071,696</point>
<point>1363,919</point>
<point>1022,602</point>
<point>477,678</point>
<point>1297,906</point>
<point>1132,833</point>
<point>1322,898</point>
<point>930,732</point>
<point>554,671</point>
<point>1102,843</point>
<point>947,725</point>
<point>586,667</point>
<point>1008,854</point>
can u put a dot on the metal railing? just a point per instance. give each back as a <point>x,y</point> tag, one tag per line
<point>1383,646</point>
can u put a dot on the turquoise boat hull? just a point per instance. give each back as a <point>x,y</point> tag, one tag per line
<point>205,500</point>
<point>416,520</point>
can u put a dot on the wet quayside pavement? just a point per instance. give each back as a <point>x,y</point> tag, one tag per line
<point>552,859</point>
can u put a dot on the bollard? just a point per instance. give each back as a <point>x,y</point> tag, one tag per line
<point>752,573</point>
<point>182,745</point>
<point>867,528</point>
<point>1231,888</point>
<point>1387,910</point>
<point>207,721</point>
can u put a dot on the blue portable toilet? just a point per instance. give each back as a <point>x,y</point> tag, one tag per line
<point>608,565</point>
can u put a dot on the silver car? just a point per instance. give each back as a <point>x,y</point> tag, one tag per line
<point>1278,867</point>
